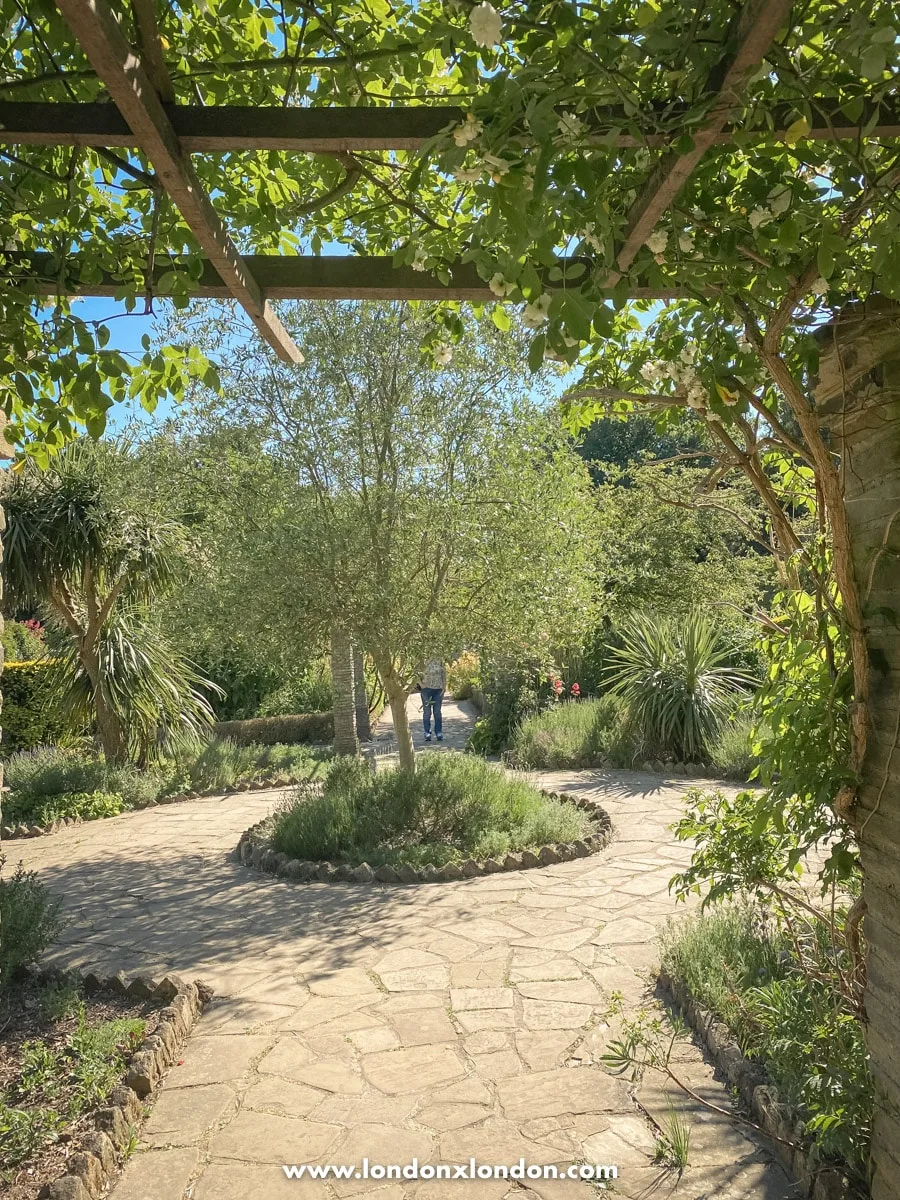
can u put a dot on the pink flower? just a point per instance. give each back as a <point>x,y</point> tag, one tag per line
<point>557,685</point>
<point>575,689</point>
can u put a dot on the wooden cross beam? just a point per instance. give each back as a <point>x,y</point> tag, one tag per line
<point>224,128</point>
<point>128,84</point>
<point>284,277</point>
<point>759,24</point>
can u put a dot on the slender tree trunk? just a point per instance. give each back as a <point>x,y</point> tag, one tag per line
<point>397,696</point>
<point>363,724</point>
<point>342,686</point>
<point>858,399</point>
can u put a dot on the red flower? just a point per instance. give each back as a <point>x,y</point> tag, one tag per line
<point>575,690</point>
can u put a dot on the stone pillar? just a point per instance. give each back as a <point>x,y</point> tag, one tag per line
<point>342,687</point>
<point>858,400</point>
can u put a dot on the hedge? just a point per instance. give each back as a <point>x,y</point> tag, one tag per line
<point>290,730</point>
<point>29,716</point>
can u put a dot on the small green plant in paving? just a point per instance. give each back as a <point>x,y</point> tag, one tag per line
<point>674,1141</point>
<point>455,807</point>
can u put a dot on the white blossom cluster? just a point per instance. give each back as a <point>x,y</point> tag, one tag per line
<point>469,130</point>
<point>500,286</point>
<point>443,353</point>
<point>571,127</point>
<point>535,314</point>
<point>589,237</point>
<point>683,374</point>
<point>485,25</point>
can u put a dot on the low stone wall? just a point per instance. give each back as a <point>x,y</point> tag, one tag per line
<point>796,1150</point>
<point>255,850</point>
<point>91,1170</point>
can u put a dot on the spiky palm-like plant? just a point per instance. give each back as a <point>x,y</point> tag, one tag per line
<point>93,563</point>
<point>677,679</point>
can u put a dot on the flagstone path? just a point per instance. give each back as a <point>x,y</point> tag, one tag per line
<point>440,1022</point>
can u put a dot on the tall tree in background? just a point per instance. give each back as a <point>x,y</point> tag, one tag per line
<point>424,509</point>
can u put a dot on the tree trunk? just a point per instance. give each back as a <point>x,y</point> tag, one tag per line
<point>858,399</point>
<point>363,724</point>
<point>110,731</point>
<point>342,687</point>
<point>397,697</point>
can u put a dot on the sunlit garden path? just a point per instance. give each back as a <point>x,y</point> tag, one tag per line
<point>440,1022</point>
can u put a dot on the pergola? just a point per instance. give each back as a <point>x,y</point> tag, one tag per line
<point>142,115</point>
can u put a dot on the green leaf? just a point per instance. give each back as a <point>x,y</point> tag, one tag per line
<point>500,317</point>
<point>536,353</point>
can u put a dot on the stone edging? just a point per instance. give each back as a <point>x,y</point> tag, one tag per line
<point>10,833</point>
<point>255,850</point>
<point>91,1170</point>
<point>802,1161</point>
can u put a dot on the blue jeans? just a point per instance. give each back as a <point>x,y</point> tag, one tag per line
<point>432,698</point>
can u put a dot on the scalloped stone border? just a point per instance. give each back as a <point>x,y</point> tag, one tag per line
<point>802,1160</point>
<point>255,850</point>
<point>93,1168</point>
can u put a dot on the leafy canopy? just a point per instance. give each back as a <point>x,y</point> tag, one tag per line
<point>530,175</point>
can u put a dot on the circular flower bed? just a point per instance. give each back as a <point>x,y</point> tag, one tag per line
<point>457,818</point>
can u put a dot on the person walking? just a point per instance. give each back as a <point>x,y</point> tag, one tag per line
<point>432,688</point>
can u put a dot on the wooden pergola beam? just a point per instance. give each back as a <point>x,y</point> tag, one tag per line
<point>759,25</point>
<point>226,128</point>
<point>101,39</point>
<point>151,49</point>
<point>283,277</point>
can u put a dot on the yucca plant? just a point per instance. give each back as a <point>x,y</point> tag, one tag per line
<point>677,679</point>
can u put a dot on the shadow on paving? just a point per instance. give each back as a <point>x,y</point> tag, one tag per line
<point>186,913</point>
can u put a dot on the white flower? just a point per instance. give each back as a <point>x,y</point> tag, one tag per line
<point>485,25</point>
<point>685,243</point>
<point>698,214</point>
<point>443,353</point>
<point>713,416</point>
<point>779,200</point>
<point>744,345</point>
<point>642,159</point>
<point>653,371</point>
<point>499,286</point>
<point>819,287</point>
<point>535,314</point>
<point>571,126</point>
<point>468,131</point>
<point>688,354</point>
<point>500,165</point>
<point>590,238</point>
<point>759,216</point>
<point>418,262</point>
<point>471,175</point>
<point>657,241</point>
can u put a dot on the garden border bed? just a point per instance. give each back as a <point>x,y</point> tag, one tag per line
<point>255,850</point>
<point>98,1161</point>
<point>11,833</point>
<point>802,1160</point>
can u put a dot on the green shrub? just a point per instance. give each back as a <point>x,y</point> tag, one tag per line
<point>731,750</point>
<point>299,728</point>
<point>31,715</point>
<point>223,763</point>
<point>21,643</point>
<point>308,692</point>
<point>38,779</point>
<point>742,967</point>
<point>677,679</point>
<point>574,733</point>
<point>30,919</point>
<point>454,807</point>
<point>463,675</point>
